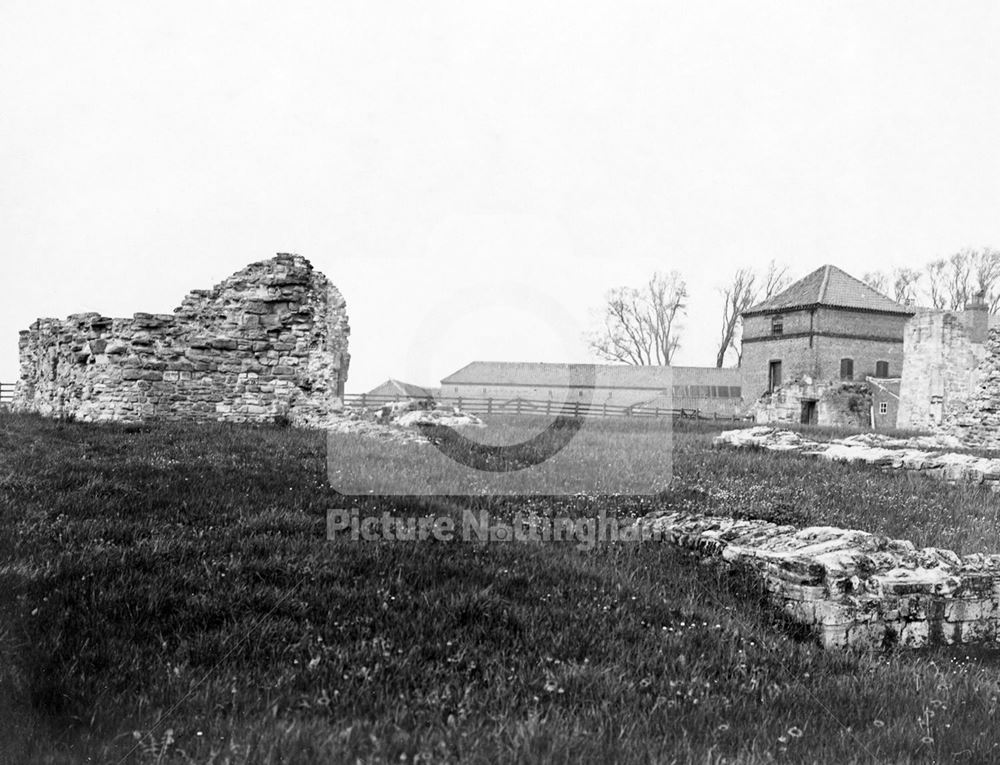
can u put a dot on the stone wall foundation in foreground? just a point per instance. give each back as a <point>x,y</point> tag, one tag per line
<point>852,588</point>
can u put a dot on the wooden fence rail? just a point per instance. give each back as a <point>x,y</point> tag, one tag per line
<point>545,407</point>
<point>6,393</point>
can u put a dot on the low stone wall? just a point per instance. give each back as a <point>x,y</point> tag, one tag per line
<point>269,342</point>
<point>852,588</point>
<point>925,456</point>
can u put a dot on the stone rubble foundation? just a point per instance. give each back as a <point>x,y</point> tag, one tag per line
<point>925,456</point>
<point>852,588</point>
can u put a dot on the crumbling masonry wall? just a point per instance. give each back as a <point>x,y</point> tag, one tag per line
<point>976,422</point>
<point>941,355</point>
<point>852,588</point>
<point>268,343</point>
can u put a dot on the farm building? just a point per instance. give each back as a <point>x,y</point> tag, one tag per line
<point>398,389</point>
<point>710,390</point>
<point>825,328</point>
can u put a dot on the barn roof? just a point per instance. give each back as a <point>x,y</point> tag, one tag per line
<point>543,374</point>
<point>830,286</point>
<point>404,389</point>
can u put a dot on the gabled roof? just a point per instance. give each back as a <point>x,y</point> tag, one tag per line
<point>542,374</point>
<point>404,389</point>
<point>830,286</point>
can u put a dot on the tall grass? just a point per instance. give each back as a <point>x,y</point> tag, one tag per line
<point>167,594</point>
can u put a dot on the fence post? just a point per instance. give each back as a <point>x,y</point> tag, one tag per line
<point>576,409</point>
<point>656,412</point>
<point>518,406</point>
<point>364,400</point>
<point>604,411</point>
<point>548,407</point>
<point>489,406</point>
<point>459,404</point>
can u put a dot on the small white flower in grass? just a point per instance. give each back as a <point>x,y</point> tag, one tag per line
<point>795,731</point>
<point>878,723</point>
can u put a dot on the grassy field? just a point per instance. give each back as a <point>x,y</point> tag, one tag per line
<point>167,594</point>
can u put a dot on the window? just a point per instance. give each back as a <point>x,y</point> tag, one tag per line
<point>773,375</point>
<point>881,368</point>
<point>847,369</point>
<point>883,407</point>
<point>777,324</point>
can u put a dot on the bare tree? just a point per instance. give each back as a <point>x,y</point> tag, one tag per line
<point>745,289</point>
<point>985,267</point>
<point>877,280</point>
<point>936,290</point>
<point>900,283</point>
<point>904,284</point>
<point>954,281</point>
<point>640,326</point>
<point>737,297</point>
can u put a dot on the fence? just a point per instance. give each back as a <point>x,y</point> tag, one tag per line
<point>6,393</point>
<point>546,407</point>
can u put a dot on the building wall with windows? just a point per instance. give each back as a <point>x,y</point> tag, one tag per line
<point>814,342</point>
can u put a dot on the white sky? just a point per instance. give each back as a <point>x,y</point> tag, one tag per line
<point>474,176</point>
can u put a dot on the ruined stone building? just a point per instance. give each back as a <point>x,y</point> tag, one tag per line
<point>809,351</point>
<point>951,371</point>
<point>267,344</point>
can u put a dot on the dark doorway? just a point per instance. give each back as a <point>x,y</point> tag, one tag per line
<point>808,413</point>
<point>773,375</point>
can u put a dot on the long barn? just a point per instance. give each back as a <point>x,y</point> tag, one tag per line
<point>707,389</point>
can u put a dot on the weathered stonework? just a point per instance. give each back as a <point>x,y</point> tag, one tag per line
<point>925,456</point>
<point>942,351</point>
<point>843,403</point>
<point>268,343</point>
<point>976,419</point>
<point>853,588</point>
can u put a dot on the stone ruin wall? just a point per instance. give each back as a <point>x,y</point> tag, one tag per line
<point>940,368</point>
<point>838,403</point>
<point>852,588</point>
<point>267,344</point>
<point>976,420</point>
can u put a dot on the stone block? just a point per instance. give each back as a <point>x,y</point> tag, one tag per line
<point>141,374</point>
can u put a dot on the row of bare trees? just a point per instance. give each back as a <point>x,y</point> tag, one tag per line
<point>947,283</point>
<point>642,326</point>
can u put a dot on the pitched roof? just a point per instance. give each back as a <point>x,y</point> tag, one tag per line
<point>403,388</point>
<point>830,286</point>
<point>543,374</point>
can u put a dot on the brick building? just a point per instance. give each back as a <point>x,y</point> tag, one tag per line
<point>827,326</point>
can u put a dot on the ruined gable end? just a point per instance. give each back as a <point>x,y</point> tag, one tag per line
<point>267,344</point>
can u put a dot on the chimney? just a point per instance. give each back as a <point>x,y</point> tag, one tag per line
<point>977,318</point>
